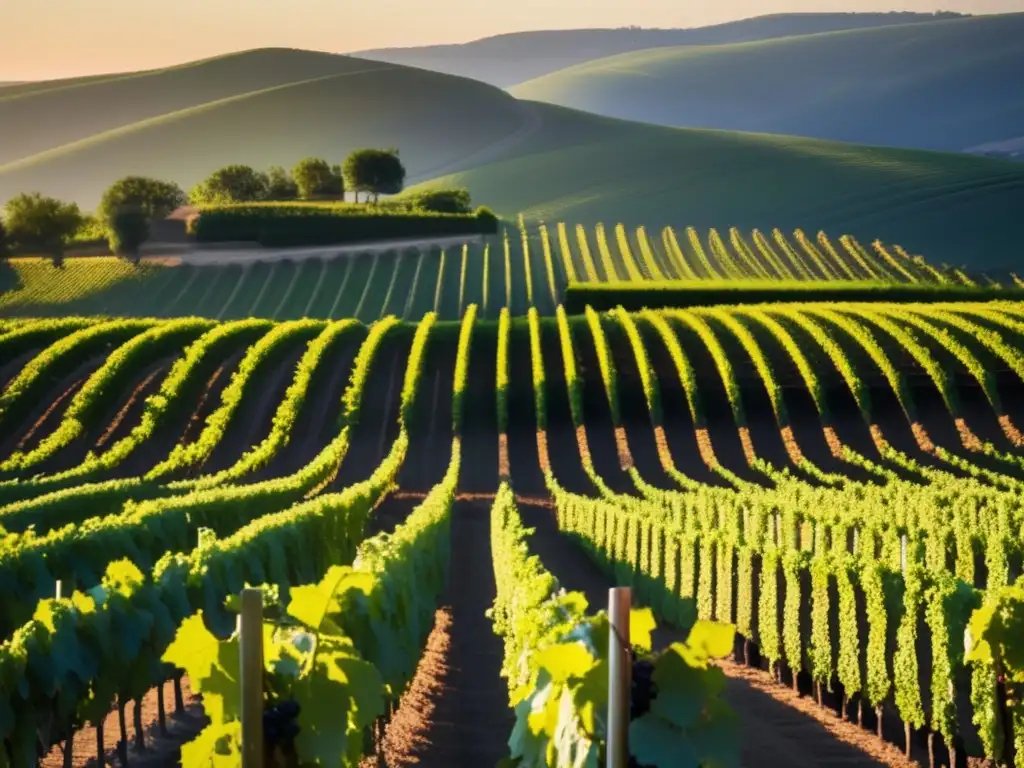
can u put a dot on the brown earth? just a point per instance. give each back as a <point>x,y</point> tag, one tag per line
<point>370,439</point>
<point>318,421</point>
<point>161,749</point>
<point>456,711</point>
<point>113,423</point>
<point>252,419</point>
<point>185,421</point>
<point>26,425</point>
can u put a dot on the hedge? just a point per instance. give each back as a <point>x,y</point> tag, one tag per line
<point>634,296</point>
<point>285,225</point>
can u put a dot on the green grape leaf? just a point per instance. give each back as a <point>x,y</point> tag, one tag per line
<point>194,649</point>
<point>218,745</point>
<point>717,739</point>
<point>641,625</point>
<point>653,742</point>
<point>340,696</point>
<point>711,639</point>
<point>565,660</point>
<point>590,696</point>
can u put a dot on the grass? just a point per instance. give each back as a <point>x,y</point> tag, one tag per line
<point>892,85</point>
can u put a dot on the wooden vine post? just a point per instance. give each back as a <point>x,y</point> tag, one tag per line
<point>250,651</point>
<point>620,673</point>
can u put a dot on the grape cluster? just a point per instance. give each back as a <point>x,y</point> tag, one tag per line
<point>643,690</point>
<point>280,723</point>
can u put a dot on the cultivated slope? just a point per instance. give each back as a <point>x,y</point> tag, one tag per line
<point>947,85</point>
<point>577,167</point>
<point>505,60</point>
<point>263,107</point>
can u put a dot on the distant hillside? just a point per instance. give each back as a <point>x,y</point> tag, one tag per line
<point>506,60</point>
<point>277,106</point>
<point>953,208</point>
<point>944,85</point>
<point>261,107</point>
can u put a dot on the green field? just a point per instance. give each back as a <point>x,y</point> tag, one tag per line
<point>494,272</point>
<point>907,92</point>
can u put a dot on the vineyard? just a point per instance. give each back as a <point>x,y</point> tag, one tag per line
<point>840,482</point>
<point>521,268</point>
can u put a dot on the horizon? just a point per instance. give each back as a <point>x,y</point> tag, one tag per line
<point>73,30</point>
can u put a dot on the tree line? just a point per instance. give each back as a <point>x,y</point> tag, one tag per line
<point>128,207</point>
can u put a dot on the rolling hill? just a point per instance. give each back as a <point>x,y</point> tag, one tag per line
<point>953,208</point>
<point>947,85</point>
<point>505,60</point>
<point>264,107</point>
<point>547,161</point>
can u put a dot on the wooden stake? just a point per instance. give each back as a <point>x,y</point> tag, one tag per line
<point>250,645</point>
<point>620,671</point>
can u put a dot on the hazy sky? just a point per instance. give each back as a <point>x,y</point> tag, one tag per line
<point>62,38</point>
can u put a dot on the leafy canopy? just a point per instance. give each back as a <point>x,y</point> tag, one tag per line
<point>129,229</point>
<point>44,223</point>
<point>155,198</point>
<point>375,171</point>
<point>280,184</point>
<point>231,184</point>
<point>314,177</point>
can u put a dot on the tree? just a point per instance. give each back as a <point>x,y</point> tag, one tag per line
<point>315,177</point>
<point>128,230</point>
<point>231,184</point>
<point>42,223</point>
<point>154,198</point>
<point>280,185</point>
<point>374,171</point>
<point>4,248</point>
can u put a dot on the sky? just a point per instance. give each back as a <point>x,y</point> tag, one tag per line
<point>41,39</point>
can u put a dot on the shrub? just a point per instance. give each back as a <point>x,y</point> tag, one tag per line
<point>443,200</point>
<point>635,296</point>
<point>287,225</point>
<point>488,219</point>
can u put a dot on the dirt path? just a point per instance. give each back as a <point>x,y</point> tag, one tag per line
<point>456,711</point>
<point>778,728</point>
<point>220,257</point>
